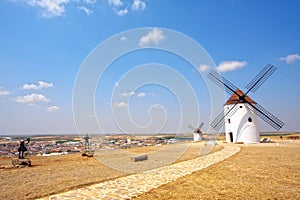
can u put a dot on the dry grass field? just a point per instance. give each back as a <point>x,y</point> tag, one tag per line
<point>263,171</point>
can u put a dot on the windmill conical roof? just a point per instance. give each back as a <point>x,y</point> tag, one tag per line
<point>234,99</point>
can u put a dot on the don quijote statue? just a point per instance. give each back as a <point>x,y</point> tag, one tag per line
<point>22,161</point>
<point>22,148</point>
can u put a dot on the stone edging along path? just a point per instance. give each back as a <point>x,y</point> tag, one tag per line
<point>136,184</point>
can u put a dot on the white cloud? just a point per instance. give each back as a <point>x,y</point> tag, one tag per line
<point>115,3</point>
<point>90,1</point>
<point>227,66</point>
<point>53,109</point>
<point>116,84</point>
<point>141,94</point>
<point>123,38</point>
<point>56,8</point>
<point>40,85</point>
<point>4,92</point>
<point>121,12</point>
<point>49,8</point>
<point>120,105</point>
<point>121,7</point>
<point>32,99</point>
<point>204,67</point>
<point>128,94</point>
<point>85,9</point>
<point>289,59</point>
<point>118,8</point>
<point>138,5</point>
<point>124,94</point>
<point>155,36</point>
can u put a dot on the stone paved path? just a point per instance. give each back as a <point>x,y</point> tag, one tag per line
<point>136,184</point>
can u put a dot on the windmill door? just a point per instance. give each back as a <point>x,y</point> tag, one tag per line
<point>230,136</point>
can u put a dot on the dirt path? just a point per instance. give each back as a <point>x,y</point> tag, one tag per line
<point>133,185</point>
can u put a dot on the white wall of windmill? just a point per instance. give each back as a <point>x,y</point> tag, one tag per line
<point>197,137</point>
<point>242,126</point>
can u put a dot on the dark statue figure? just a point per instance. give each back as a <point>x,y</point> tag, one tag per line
<point>87,144</point>
<point>22,148</point>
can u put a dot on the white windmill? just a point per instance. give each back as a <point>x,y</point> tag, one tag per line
<point>240,111</point>
<point>197,134</point>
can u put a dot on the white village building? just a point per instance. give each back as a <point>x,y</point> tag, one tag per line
<point>242,125</point>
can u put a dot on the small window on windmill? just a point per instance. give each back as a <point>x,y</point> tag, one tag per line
<point>249,119</point>
<point>241,106</point>
<point>228,121</point>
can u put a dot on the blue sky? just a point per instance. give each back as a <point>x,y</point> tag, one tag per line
<point>45,43</point>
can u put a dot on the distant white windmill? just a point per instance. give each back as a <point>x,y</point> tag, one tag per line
<point>240,111</point>
<point>197,134</point>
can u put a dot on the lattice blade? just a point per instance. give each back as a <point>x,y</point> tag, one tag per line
<point>191,127</point>
<point>266,116</point>
<point>222,82</point>
<point>201,125</point>
<point>219,121</point>
<point>260,78</point>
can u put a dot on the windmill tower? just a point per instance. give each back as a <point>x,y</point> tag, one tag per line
<point>240,111</point>
<point>242,125</point>
<point>197,134</point>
